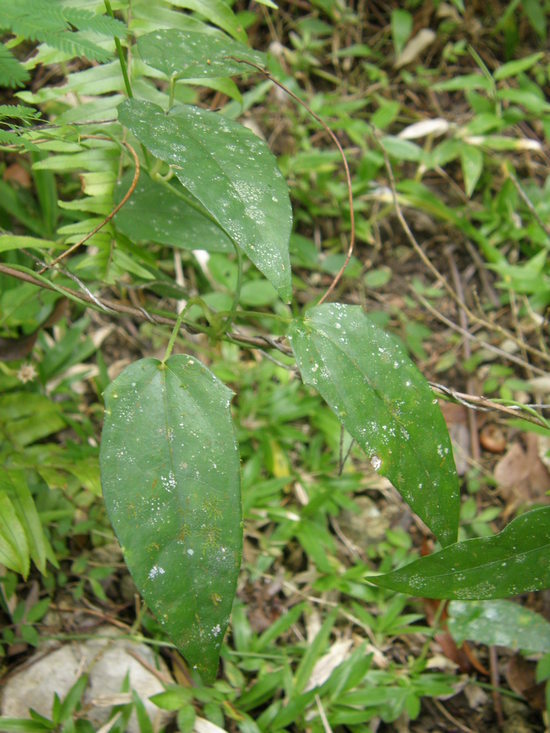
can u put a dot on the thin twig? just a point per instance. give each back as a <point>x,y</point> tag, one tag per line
<point>452,719</point>
<point>497,701</point>
<point>484,404</point>
<point>323,715</point>
<point>335,140</point>
<point>121,308</point>
<point>466,345</point>
<point>527,201</point>
<point>439,276</point>
<point>107,219</point>
<point>258,342</point>
<point>490,347</point>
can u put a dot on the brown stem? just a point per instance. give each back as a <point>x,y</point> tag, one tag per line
<point>335,140</point>
<point>107,219</point>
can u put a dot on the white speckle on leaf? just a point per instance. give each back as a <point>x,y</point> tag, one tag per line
<point>155,571</point>
<point>376,462</point>
<point>169,482</point>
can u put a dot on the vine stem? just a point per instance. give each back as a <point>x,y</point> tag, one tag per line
<point>237,296</point>
<point>440,279</point>
<point>108,218</point>
<point>475,402</point>
<point>174,334</point>
<point>120,53</point>
<point>296,98</point>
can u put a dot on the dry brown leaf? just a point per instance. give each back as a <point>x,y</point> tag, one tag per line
<point>15,173</point>
<point>415,47</point>
<point>521,475</point>
<point>326,665</point>
<point>492,438</point>
<point>520,674</point>
<point>456,417</point>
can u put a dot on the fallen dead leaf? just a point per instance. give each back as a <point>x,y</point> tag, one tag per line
<point>15,173</point>
<point>521,475</point>
<point>326,665</point>
<point>492,438</point>
<point>456,418</point>
<point>415,47</point>
<point>520,674</point>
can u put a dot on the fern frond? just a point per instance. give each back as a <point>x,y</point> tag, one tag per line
<point>75,44</point>
<point>12,73</point>
<point>47,21</point>
<point>33,19</point>
<point>16,140</point>
<point>8,137</point>
<point>18,112</point>
<point>103,25</point>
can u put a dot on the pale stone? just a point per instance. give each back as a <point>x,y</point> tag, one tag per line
<point>106,660</point>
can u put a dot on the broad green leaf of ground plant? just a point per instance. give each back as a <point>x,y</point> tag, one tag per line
<point>471,160</point>
<point>170,474</point>
<point>14,550</point>
<point>14,485</point>
<point>502,623</point>
<point>385,403</point>
<point>511,562</point>
<point>230,172</point>
<point>192,54</point>
<point>174,222</point>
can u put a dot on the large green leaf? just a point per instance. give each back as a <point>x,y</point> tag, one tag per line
<point>511,562</point>
<point>155,214</point>
<point>188,54</point>
<point>170,475</point>
<point>27,417</point>
<point>386,404</point>
<point>501,623</point>
<point>230,171</point>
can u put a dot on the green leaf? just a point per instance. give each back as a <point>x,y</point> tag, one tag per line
<point>29,417</point>
<point>472,165</point>
<point>401,28</point>
<point>230,171</point>
<point>172,698</point>
<point>192,54</point>
<point>532,102</point>
<point>537,16</point>
<point>464,83</point>
<point>217,12</point>
<point>144,722</point>
<point>20,725</point>
<point>511,562</point>
<point>385,404</point>
<point>513,68</point>
<point>170,475</point>
<point>14,550</point>
<point>155,213</point>
<point>12,72</point>
<point>14,485</point>
<point>501,623</point>
<point>401,149</point>
<point>73,699</point>
<point>186,719</point>
<point>12,241</point>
